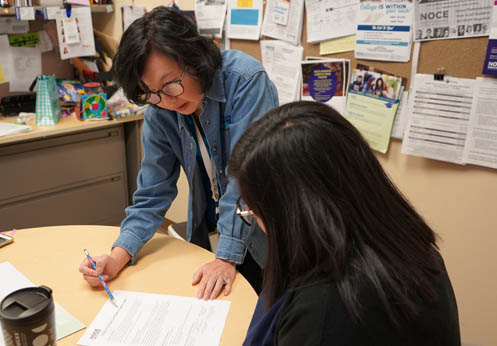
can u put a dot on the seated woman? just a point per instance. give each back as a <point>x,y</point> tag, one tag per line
<point>350,261</point>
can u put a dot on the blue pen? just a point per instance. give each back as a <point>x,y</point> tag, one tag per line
<point>100,277</point>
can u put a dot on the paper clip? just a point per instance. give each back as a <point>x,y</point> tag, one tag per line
<point>440,74</point>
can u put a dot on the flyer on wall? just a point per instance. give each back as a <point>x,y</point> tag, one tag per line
<point>490,66</point>
<point>372,103</point>
<point>447,19</point>
<point>325,81</point>
<point>439,113</point>
<point>384,30</point>
<point>281,60</point>
<point>328,19</point>
<point>210,16</point>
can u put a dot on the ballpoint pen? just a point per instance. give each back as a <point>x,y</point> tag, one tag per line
<point>100,277</point>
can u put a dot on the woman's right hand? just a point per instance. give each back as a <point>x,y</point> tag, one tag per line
<point>107,265</point>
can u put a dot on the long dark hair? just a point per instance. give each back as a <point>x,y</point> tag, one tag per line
<point>167,31</point>
<point>330,211</point>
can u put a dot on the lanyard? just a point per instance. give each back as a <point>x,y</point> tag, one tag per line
<point>209,166</point>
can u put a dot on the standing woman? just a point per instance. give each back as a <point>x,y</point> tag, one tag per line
<point>201,101</point>
<point>350,262</point>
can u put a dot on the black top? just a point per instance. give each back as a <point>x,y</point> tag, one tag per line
<point>316,315</point>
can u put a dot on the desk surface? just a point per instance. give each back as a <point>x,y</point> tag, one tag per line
<point>65,125</point>
<point>51,256</point>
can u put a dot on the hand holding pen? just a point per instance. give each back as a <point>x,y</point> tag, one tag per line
<point>93,264</point>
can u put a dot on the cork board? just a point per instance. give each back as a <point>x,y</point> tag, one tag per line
<point>50,61</point>
<point>462,58</point>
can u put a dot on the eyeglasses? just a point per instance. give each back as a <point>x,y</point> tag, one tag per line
<point>173,89</point>
<point>244,212</point>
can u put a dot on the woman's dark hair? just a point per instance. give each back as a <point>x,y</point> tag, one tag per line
<point>168,32</point>
<point>380,80</point>
<point>330,211</point>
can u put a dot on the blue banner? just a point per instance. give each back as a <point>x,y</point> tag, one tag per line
<point>490,66</point>
<point>404,28</point>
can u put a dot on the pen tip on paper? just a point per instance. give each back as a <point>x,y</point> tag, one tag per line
<point>114,303</point>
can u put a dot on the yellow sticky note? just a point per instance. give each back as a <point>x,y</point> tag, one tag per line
<point>2,75</point>
<point>337,45</point>
<point>245,4</point>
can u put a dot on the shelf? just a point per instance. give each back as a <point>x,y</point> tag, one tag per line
<point>10,11</point>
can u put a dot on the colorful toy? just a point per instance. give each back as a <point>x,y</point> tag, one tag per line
<point>94,106</point>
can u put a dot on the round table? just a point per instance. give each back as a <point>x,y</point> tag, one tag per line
<point>51,256</point>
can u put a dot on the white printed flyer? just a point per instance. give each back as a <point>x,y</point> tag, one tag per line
<point>384,30</point>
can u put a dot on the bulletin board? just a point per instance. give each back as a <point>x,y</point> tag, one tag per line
<point>50,61</point>
<point>458,202</point>
<point>462,58</point>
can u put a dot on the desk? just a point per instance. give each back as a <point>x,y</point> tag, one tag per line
<point>76,172</point>
<point>51,256</point>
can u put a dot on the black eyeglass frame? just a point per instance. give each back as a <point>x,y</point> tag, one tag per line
<point>158,93</point>
<point>243,214</point>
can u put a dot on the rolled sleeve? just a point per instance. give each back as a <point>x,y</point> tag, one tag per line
<point>156,189</point>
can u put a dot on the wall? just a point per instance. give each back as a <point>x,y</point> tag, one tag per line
<point>459,202</point>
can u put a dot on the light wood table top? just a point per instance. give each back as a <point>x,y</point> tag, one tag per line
<point>51,256</point>
<point>65,125</point>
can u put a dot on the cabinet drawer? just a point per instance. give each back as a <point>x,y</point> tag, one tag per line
<point>39,166</point>
<point>100,202</point>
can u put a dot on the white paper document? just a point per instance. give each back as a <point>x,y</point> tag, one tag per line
<point>10,25</point>
<point>75,34</point>
<point>13,280</point>
<point>46,44</point>
<point>384,30</point>
<point>290,32</point>
<point>447,19</point>
<point>27,66</point>
<point>10,129</point>
<point>157,319</point>
<point>245,19</point>
<point>481,143</point>
<point>439,113</point>
<point>400,121</point>
<point>130,14</point>
<point>210,15</point>
<point>327,19</point>
<point>282,63</point>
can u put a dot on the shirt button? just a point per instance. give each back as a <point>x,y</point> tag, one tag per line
<point>214,149</point>
<point>207,122</point>
<point>251,245</point>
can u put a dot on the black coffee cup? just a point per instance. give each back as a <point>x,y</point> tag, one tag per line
<point>28,317</point>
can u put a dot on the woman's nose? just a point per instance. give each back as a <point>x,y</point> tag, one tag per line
<point>167,101</point>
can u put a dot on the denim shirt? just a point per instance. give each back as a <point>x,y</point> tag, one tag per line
<point>241,93</point>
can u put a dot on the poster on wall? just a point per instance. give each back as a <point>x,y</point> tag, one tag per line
<point>447,19</point>
<point>384,30</point>
<point>75,33</point>
<point>210,16</point>
<point>325,81</point>
<point>490,65</point>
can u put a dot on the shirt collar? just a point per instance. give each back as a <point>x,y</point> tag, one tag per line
<point>216,91</point>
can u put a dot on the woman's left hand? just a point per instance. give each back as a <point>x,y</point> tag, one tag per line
<point>213,277</point>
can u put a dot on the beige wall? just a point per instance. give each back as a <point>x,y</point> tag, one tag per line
<point>459,202</point>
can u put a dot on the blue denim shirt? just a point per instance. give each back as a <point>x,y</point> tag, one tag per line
<point>240,94</point>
